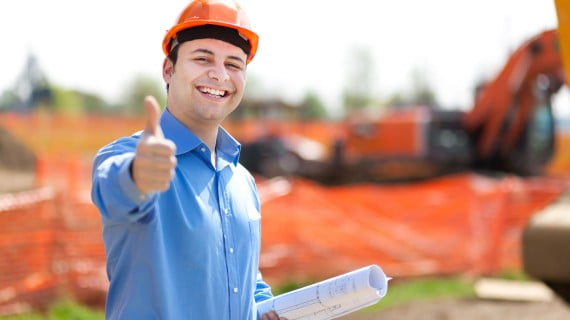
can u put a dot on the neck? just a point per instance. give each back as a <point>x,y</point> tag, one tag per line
<point>209,137</point>
<point>205,131</point>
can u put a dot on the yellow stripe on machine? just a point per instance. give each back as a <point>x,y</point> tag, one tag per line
<point>563,13</point>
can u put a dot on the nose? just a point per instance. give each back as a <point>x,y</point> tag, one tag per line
<point>218,73</point>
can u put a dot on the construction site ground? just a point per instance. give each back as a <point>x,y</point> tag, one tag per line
<point>469,309</point>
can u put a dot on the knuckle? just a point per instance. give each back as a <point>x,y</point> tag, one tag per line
<point>171,147</point>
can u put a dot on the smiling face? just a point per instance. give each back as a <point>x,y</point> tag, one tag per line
<point>207,82</point>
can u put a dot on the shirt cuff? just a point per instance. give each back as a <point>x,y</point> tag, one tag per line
<point>127,184</point>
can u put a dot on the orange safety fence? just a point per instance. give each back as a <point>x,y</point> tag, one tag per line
<point>51,242</point>
<point>458,224</point>
<point>51,245</point>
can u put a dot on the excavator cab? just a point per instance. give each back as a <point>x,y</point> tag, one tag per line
<point>511,123</point>
<point>535,148</point>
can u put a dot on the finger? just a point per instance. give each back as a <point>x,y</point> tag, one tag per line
<point>152,182</point>
<point>152,116</point>
<point>272,315</point>
<point>155,173</point>
<point>154,146</point>
<point>156,165</point>
<point>153,186</point>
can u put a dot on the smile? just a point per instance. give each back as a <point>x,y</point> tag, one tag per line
<point>213,92</point>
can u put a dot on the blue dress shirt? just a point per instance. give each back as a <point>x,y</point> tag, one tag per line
<point>191,252</point>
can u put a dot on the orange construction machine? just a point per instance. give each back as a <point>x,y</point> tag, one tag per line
<point>510,128</point>
<point>546,254</point>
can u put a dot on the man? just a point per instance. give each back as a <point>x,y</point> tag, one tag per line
<point>181,221</point>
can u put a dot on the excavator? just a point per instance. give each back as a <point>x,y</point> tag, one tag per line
<point>509,129</point>
<point>546,255</point>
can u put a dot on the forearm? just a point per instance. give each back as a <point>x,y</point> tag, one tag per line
<point>114,191</point>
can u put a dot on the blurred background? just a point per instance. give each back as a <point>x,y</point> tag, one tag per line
<point>430,138</point>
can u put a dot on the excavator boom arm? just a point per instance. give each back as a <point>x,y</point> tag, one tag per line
<point>504,106</point>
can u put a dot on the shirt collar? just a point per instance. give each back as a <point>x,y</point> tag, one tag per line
<point>174,130</point>
<point>185,140</point>
<point>228,145</point>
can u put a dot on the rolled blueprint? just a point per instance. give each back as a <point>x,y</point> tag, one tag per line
<point>331,298</point>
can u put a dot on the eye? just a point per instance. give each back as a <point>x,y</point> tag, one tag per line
<point>201,59</point>
<point>234,66</point>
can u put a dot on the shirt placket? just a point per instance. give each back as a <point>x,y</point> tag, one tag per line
<point>229,245</point>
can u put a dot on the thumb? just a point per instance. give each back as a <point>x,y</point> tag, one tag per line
<point>152,116</point>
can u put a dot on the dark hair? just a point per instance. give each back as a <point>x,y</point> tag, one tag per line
<point>229,35</point>
<point>172,56</point>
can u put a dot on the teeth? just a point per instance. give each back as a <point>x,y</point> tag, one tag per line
<point>212,91</point>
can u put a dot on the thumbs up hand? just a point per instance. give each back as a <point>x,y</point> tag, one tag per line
<point>155,161</point>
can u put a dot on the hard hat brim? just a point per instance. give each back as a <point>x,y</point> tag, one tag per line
<point>249,35</point>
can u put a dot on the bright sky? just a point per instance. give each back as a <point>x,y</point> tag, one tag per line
<point>99,46</point>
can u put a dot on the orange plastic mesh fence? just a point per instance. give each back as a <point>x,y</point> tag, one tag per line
<point>50,238</point>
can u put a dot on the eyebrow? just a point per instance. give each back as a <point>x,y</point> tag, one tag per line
<point>210,52</point>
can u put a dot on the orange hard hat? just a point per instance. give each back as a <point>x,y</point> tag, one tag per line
<point>224,13</point>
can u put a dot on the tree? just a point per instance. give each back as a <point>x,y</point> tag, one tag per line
<point>93,103</point>
<point>9,100</point>
<point>419,93</point>
<point>66,101</point>
<point>141,86</point>
<point>397,100</point>
<point>358,87</point>
<point>32,88</point>
<point>422,93</point>
<point>313,107</point>
<point>74,102</point>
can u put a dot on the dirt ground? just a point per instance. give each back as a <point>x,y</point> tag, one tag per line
<point>17,164</point>
<point>470,309</point>
<point>12,180</point>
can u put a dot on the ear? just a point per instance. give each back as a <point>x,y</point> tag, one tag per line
<point>167,70</point>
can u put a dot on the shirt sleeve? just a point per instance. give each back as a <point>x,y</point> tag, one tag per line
<point>113,190</point>
<point>262,289</point>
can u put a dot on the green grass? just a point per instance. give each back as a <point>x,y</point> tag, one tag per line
<point>289,285</point>
<point>410,290</point>
<point>514,274</point>
<point>399,292</point>
<point>423,289</point>
<point>62,310</point>
<point>402,291</point>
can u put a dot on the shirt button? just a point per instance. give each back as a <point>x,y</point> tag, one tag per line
<point>226,210</point>
<point>203,149</point>
<point>235,290</point>
<point>231,250</point>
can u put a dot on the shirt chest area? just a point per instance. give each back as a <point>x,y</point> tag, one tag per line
<point>212,207</point>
